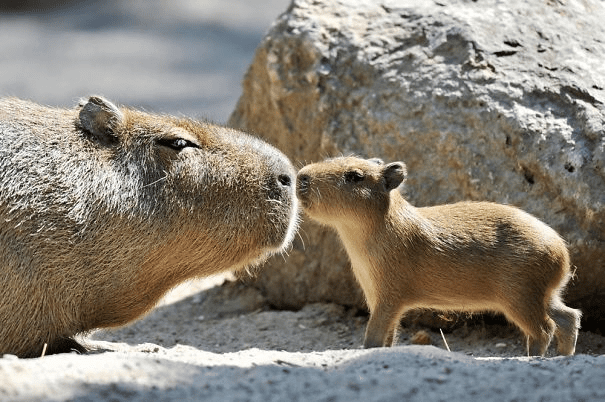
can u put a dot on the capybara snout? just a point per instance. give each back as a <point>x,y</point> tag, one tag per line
<point>104,208</point>
<point>468,256</point>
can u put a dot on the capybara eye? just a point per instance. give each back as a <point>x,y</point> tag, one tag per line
<point>176,143</point>
<point>353,176</point>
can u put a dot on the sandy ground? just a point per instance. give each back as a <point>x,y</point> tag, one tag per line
<point>224,343</point>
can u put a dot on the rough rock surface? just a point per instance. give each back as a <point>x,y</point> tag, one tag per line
<point>482,100</point>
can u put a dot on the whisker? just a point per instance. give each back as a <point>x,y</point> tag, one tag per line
<point>301,238</point>
<point>318,193</point>
<point>157,181</point>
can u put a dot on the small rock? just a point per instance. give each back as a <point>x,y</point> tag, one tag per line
<point>421,338</point>
<point>10,357</point>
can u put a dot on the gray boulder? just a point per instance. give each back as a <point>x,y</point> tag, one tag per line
<point>483,100</point>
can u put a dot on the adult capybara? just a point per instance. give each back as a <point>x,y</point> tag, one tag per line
<point>469,256</point>
<point>103,209</point>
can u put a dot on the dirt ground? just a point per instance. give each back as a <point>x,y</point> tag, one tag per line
<point>231,316</point>
<point>213,341</point>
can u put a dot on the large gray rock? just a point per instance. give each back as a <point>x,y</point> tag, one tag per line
<point>483,100</point>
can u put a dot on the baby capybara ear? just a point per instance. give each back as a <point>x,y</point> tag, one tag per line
<point>100,118</point>
<point>393,174</point>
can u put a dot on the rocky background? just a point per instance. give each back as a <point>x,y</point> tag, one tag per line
<point>483,100</point>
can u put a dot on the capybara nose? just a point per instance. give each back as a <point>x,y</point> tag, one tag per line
<point>284,180</point>
<point>303,183</point>
<point>281,188</point>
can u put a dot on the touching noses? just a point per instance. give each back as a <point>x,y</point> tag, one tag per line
<point>302,183</point>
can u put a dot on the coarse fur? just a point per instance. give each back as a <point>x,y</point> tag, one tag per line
<point>468,256</point>
<point>103,209</point>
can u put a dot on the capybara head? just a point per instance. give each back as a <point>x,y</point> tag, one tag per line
<point>346,188</point>
<point>104,208</point>
<point>209,184</point>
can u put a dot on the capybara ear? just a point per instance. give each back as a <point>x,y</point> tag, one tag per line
<point>394,174</point>
<point>100,118</point>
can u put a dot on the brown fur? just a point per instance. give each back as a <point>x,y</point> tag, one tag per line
<point>468,256</point>
<point>104,209</point>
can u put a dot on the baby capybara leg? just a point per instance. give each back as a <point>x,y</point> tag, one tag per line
<point>539,335</point>
<point>567,321</point>
<point>392,337</point>
<point>537,344</point>
<point>381,327</point>
<point>536,325</point>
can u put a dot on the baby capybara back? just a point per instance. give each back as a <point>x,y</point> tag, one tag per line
<point>103,209</point>
<point>469,256</point>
